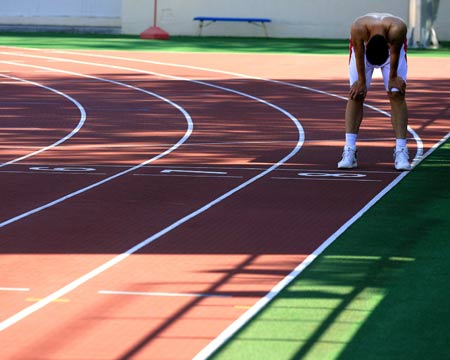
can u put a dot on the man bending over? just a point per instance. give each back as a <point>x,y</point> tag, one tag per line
<point>377,41</point>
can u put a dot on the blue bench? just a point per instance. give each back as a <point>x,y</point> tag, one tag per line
<point>208,20</point>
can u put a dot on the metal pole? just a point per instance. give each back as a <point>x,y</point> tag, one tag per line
<point>154,32</point>
<point>414,25</point>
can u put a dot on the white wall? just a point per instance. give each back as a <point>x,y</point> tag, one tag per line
<point>61,12</point>
<point>95,8</point>
<point>443,21</point>
<point>290,18</point>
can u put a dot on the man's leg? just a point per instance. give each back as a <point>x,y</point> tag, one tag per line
<point>353,118</point>
<point>353,115</point>
<point>399,114</point>
<point>399,120</point>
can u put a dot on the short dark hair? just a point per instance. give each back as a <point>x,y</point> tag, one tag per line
<point>377,50</point>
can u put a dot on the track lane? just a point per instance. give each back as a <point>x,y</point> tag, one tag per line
<point>53,299</point>
<point>16,153</point>
<point>114,176</point>
<point>208,70</point>
<point>123,279</point>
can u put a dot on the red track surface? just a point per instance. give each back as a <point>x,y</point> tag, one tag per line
<point>221,259</point>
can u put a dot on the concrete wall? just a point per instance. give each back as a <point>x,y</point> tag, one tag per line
<point>442,24</point>
<point>290,18</point>
<point>100,13</point>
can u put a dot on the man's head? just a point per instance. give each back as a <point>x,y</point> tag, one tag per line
<point>377,50</point>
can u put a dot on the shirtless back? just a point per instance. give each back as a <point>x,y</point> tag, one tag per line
<point>392,27</point>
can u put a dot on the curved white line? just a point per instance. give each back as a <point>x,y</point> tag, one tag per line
<point>83,279</point>
<point>60,141</point>
<point>287,114</point>
<point>416,137</point>
<point>87,188</point>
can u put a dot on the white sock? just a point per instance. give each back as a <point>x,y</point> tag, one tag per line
<point>350,139</point>
<point>400,143</point>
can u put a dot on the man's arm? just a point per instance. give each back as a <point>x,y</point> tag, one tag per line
<point>396,38</point>
<point>358,90</point>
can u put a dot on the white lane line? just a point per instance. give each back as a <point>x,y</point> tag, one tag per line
<point>52,173</point>
<point>251,168</point>
<point>192,176</point>
<point>14,289</point>
<point>110,178</point>
<point>60,141</point>
<point>31,212</point>
<point>170,171</point>
<point>119,258</point>
<point>10,82</point>
<point>419,143</point>
<point>62,169</point>
<point>102,268</point>
<point>160,294</point>
<point>323,179</point>
<point>330,176</point>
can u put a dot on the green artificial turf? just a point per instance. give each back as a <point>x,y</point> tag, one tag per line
<point>380,291</point>
<point>190,44</point>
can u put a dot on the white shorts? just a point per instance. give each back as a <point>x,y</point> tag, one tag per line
<point>402,70</point>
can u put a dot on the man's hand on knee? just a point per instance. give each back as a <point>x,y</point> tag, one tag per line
<point>358,91</point>
<point>397,84</point>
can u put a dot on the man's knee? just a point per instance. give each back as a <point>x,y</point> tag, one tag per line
<point>396,96</point>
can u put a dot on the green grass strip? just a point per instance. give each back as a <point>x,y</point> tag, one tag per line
<point>190,44</point>
<point>380,291</point>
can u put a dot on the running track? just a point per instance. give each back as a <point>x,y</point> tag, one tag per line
<point>151,202</point>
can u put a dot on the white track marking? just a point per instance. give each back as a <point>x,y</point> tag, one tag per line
<point>65,138</point>
<point>14,289</point>
<point>71,195</point>
<point>53,173</point>
<point>170,171</point>
<point>159,294</point>
<point>192,176</point>
<point>117,259</point>
<point>129,170</point>
<point>323,179</point>
<point>419,151</point>
<point>245,168</point>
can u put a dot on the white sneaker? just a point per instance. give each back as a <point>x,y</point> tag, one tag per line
<point>401,159</point>
<point>348,158</point>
